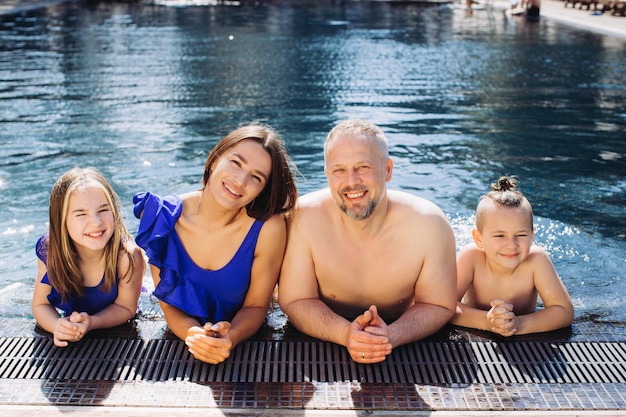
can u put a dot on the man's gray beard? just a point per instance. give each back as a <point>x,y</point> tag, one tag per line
<point>360,214</point>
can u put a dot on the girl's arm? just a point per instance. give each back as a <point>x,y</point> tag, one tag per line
<point>558,311</point>
<point>125,306</point>
<point>47,316</point>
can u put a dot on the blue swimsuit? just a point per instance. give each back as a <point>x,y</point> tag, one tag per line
<point>94,299</point>
<point>209,296</point>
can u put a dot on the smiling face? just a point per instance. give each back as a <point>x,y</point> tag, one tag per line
<point>240,174</point>
<point>356,173</point>
<point>89,219</point>
<point>506,236</point>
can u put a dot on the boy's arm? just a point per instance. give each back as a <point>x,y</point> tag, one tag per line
<point>558,311</point>
<point>465,315</point>
<point>499,318</point>
<point>475,318</point>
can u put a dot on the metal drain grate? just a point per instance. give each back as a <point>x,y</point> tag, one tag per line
<point>437,363</point>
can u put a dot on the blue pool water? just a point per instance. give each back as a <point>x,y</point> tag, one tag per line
<point>142,92</point>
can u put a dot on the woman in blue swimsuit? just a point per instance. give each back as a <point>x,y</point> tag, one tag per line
<point>215,254</point>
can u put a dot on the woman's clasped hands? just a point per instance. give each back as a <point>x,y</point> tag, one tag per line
<point>210,343</point>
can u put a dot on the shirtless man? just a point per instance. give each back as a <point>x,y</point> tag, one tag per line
<point>366,267</point>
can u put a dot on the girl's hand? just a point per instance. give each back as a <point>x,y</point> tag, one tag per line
<point>83,321</point>
<point>65,331</point>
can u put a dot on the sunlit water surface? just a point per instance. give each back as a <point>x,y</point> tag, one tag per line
<point>142,92</point>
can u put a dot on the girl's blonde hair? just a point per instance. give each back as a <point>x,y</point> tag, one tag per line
<point>62,263</point>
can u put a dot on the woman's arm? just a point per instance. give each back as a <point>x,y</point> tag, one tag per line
<point>268,259</point>
<point>177,321</point>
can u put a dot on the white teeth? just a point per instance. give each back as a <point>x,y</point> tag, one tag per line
<point>95,234</point>
<point>354,195</point>
<point>231,191</point>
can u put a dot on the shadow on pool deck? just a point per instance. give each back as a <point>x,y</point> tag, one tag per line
<point>141,369</point>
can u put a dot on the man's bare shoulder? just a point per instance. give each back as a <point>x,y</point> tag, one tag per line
<point>312,203</point>
<point>311,209</point>
<point>410,205</point>
<point>314,198</point>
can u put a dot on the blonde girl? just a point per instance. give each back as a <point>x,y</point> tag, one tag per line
<point>89,269</point>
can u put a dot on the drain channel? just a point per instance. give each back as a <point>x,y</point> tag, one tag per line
<point>435,363</point>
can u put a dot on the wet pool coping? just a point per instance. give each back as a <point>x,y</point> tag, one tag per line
<point>556,10</point>
<point>20,6</point>
<point>142,369</point>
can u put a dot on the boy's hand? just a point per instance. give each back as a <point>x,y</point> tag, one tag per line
<point>501,318</point>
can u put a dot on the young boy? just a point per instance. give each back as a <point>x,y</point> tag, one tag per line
<point>500,277</point>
